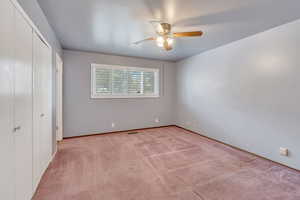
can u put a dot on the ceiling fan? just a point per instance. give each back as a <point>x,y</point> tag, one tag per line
<point>165,37</point>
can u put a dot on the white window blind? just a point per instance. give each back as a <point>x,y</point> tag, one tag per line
<point>112,81</point>
<point>103,81</point>
<point>119,81</point>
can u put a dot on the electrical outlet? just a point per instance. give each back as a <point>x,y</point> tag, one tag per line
<point>157,120</point>
<point>283,151</point>
<point>113,125</point>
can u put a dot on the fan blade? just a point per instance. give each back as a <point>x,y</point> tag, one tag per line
<point>188,34</point>
<point>147,39</point>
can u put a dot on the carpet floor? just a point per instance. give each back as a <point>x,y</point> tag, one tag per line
<point>167,163</point>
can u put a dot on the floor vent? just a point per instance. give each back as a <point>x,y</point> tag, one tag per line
<point>131,133</point>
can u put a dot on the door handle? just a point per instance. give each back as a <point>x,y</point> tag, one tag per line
<point>42,115</point>
<point>17,128</point>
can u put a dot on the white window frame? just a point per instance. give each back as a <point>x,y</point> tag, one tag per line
<point>94,95</point>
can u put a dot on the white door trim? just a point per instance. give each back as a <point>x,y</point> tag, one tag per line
<point>59,98</point>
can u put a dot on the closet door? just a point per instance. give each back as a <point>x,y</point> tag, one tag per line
<point>37,108</point>
<point>23,108</point>
<point>6,100</point>
<point>42,133</point>
<point>46,137</point>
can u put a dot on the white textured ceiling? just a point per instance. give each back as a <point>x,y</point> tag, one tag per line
<point>111,26</point>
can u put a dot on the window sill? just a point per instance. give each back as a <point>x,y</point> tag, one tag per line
<point>124,97</point>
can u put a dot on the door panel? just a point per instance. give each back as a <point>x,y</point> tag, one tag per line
<point>46,137</point>
<point>6,100</point>
<point>23,108</point>
<point>37,108</point>
<point>42,134</point>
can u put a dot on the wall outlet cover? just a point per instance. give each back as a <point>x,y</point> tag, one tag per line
<point>283,151</point>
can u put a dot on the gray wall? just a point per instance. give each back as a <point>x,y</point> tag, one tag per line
<point>83,115</point>
<point>33,10</point>
<point>246,94</point>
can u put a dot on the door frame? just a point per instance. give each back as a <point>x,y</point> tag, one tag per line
<point>59,98</point>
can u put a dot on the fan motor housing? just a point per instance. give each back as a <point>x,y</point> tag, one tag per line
<point>166,28</point>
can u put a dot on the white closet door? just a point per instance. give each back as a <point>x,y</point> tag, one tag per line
<point>6,100</point>
<point>46,137</point>
<point>42,116</point>
<point>37,108</point>
<point>42,134</point>
<point>23,108</point>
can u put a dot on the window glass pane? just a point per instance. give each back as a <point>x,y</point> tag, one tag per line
<point>134,82</point>
<point>103,81</point>
<point>119,81</point>
<point>149,82</point>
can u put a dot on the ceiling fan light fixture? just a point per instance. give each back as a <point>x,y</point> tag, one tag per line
<point>160,41</point>
<point>170,41</point>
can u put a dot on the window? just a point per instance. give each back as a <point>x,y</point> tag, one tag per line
<point>112,81</point>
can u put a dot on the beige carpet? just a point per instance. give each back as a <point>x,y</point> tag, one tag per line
<point>162,164</point>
